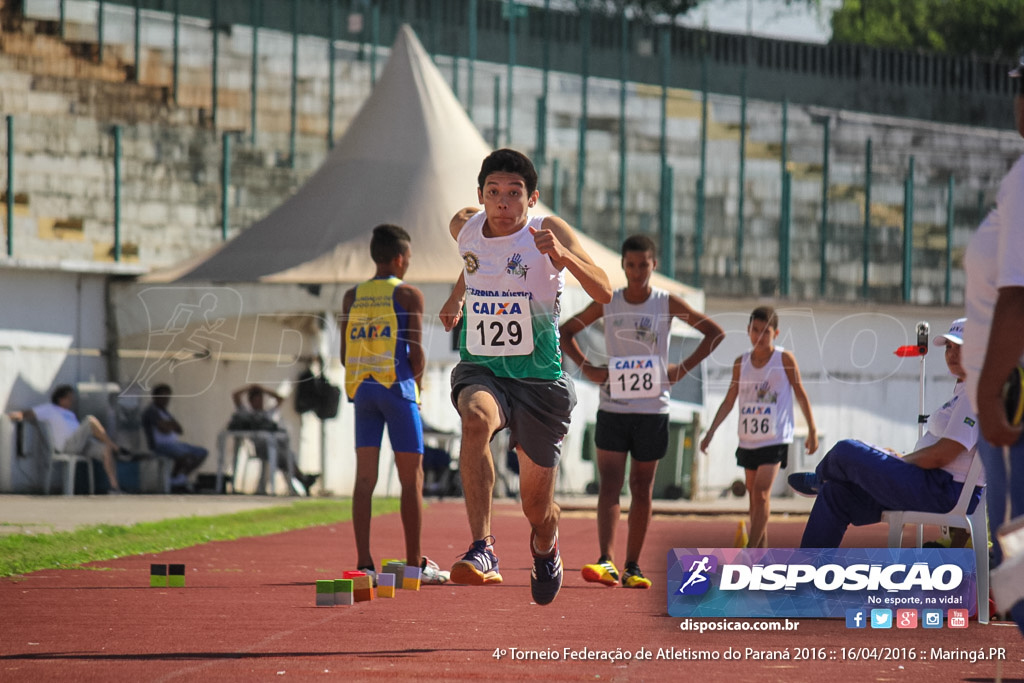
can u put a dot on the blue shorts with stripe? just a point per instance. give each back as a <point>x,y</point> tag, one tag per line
<point>377,406</point>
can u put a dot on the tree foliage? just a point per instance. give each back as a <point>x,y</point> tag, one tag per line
<point>993,28</point>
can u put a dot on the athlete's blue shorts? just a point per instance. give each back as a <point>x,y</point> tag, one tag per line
<point>377,406</point>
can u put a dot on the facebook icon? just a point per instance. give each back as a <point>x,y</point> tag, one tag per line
<point>856,618</point>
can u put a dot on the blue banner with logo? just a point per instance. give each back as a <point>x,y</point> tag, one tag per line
<point>827,582</point>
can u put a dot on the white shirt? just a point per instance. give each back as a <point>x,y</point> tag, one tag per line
<point>955,420</point>
<point>995,259</point>
<point>766,403</point>
<point>638,331</point>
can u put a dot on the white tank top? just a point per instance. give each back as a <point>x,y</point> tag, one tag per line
<point>766,403</point>
<point>636,338</point>
<point>512,302</point>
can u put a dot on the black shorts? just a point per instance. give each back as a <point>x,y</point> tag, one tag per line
<point>643,435</point>
<point>752,458</point>
<point>536,412</point>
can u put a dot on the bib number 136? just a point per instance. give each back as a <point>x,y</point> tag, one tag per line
<point>496,327</point>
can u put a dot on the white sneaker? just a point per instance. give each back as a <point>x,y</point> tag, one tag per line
<point>431,574</point>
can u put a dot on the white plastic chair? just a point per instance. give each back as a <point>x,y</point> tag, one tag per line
<point>70,462</point>
<point>976,524</point>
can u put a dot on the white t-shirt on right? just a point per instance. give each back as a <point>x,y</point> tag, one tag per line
<point>957,421</point>
<point>995,259</point>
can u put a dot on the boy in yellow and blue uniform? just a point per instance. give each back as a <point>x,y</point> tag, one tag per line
<point>381,347</point>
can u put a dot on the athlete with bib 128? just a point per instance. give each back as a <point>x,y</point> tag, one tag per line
<point>511,370</point>
<point>632,418</point>
<point>766,379</point>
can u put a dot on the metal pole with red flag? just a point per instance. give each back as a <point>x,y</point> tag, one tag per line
<point>919,350</point>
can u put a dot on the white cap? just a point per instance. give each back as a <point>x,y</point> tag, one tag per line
<point>1018,70</point>
<point>955,334</point>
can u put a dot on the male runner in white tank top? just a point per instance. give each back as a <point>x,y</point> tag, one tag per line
<point>635,377</point>
<point>766,380</point>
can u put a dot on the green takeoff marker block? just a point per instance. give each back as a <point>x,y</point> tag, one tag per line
<point>158,576</point>
<point>325,593</point>
<point>176,576</point>
<point>343,592</point>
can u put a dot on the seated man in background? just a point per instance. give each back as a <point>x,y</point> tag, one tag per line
<point>253,413</point>
<point>855,481</point>
<point>87,438</point>
<point>163,435</point>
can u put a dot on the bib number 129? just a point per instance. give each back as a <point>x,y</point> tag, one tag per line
<point>495,334</point>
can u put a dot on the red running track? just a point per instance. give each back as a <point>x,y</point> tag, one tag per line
<point>248,614</point>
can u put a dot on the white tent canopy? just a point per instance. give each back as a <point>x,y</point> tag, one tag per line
<point>410,157</point>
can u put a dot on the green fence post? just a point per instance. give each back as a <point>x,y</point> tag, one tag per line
<point>331,73</point>
<point>293,108</point>
<point>785,233</point>
<point>256,18</point>
<point>667,227</point>
<point>581,151</point>
<point>214,85</point>
<point>99,30</point>
<point>137,46</point>
<point>823,237</point>
<point>472,57</point>
<point>495,139</point>
<point>698,228</point>
<point>663,143</point>
<point>741,200</point>
<point>866,244</point>
<point>10,185</point>
<point>908,230</point>
<point>375,38</point>
<point>455,75</point>
<point>117,193</point>
<point>949,239</point>
<point>176,49</point>
<point>542,103</point>
<point>785,134</point>
<point>698,233</point>
<point>225,185</point>
<point>623,81</point>
<point>556,187</point>
<point>509,93</point>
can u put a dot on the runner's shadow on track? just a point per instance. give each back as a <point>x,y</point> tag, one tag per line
<point>201,656</point>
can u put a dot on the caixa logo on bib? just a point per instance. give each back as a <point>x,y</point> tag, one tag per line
<point>784,582</point>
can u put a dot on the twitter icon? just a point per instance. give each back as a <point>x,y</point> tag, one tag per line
<point>881,618</point>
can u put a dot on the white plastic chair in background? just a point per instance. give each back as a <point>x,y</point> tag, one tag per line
<point>976,524</point>
<point>70,462</point>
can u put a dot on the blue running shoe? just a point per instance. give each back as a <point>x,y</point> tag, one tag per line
<point>479,566</point>
<point>805,483</point>
<point>546,578</point>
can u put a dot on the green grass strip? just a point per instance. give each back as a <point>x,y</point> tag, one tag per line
<point>23,553</point>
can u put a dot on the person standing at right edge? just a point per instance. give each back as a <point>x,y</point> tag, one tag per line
<point>511,370</point>
<point>994,347</point>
